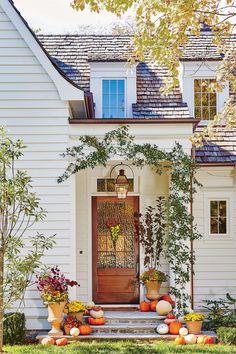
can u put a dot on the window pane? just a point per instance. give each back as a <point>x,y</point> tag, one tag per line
<point>222,226</point>
<point>105,101</point>
<point>205,85</point>
<point>121,101</point>
<point>205,101</point>
<point>197,99</point>
<point>105,113</point>
<point>113,86</point>
<point>214,208</point>
<point>120,113</point>
<point>113,101</point>
<point>212,99</point>
<point>214,226</point>
<point>105,86</point>
<point>198,112</point>
<point>197,85</point>
<point>212,112</point>
<point>113,113</point>
<point>205,113</point>
<point>222,208</point>
<point>121,86</point>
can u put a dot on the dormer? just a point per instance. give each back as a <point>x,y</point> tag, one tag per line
<point>113,84</point>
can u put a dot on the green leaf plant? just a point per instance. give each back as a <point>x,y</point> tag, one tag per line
<point>180,169</point>
<point>19,211</point>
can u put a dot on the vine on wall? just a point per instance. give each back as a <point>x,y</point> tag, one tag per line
<point>93,151</point>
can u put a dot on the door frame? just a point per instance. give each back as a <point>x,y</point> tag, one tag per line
<point>94,244</point>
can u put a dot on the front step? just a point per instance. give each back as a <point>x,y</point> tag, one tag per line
<point>130,317</point>
<point>126,328</point>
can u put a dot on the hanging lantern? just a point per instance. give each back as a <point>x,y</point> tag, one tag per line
<point>121,185</point>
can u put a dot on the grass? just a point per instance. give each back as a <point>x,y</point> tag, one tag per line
<point>120,347</point>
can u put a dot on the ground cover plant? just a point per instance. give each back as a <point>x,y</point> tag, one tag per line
<point>121,347</point>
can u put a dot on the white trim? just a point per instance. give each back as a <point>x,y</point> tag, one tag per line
<point>66,90</point>
<point>210,195</point>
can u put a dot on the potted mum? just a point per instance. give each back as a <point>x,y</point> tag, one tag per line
<point>151,228</point>
<point>75,309</point>
<point>194,322</point>
<point>53,287</point>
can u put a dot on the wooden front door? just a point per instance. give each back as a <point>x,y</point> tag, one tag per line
<point>115,250</point>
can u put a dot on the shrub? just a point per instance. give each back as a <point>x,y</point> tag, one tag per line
<point>14,328</point>
<point>227,335</point>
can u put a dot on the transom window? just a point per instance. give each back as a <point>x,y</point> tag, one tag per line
<point>204,100</point>
<point>113,98</point>
<point>218,217</point>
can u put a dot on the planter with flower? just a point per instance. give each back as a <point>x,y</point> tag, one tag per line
<point>69,323</point>
<point>151,229</point>
<point>75,309</point>
<point>194,322</point>
<point>53,287</point>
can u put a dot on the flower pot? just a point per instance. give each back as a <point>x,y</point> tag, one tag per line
<point>194,327</point>
<point>55,318</point>
<point>67,330</point>
<point>77,315</point>
<point>152,289</point>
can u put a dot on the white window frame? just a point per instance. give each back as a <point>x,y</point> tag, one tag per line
<point>217,196</point>
<point>217,97</point>
<point>125,94</point>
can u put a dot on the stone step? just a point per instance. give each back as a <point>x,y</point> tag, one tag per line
<point>132,317</point>
<point>126,328</point>
<point>123,336</point>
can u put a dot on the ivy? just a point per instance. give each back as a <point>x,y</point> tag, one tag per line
<point>180,167</point>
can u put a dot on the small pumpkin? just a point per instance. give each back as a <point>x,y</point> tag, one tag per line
<point>170,316</point>
<point>175,327</point>
<point>183,331</point>
<point>163,307</point>
<point>74,332</point>
<point>61,342</point>
<point>96,312</point>
<point>144,306</point>
<point>96,321</point>
<point>209,340</point>
<point>191,339</point>
<point>48,341</point>
<point>153,305</point>
<point>180,340</point>
<point>169,320</point>
<point>85,330</point>
<point>162,328</point>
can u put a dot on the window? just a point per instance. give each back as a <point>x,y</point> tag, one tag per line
<point>113,98</point>
<point>204,100</point>
<point>108,184</point>
<point>218,217</point>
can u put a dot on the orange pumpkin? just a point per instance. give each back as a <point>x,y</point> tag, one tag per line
<point>174,327</point>
<point>144,306</point>
<point>153,305</point>
<point>96,321</point>
<point>84,330</point>
<point>60,342</point>
<point>180,340</point>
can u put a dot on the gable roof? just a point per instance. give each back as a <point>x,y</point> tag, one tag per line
<point>67,89</point>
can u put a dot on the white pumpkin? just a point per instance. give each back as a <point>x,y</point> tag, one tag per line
<point>190,339</point>
<point>90,305</point>
<point>163,307</point>
<point>183,331</point>
<point>162,328</point>
<point>96,314</point>
<point>74,332</point>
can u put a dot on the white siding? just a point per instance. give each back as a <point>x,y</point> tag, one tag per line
<point>31,109</point>
<point>215,268</point>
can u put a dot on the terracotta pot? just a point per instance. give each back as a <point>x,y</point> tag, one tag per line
<point>67,329</point>
<point>77,315</point>
<point>194,327</point>
<point>55,318</point>
<point>152,290</point>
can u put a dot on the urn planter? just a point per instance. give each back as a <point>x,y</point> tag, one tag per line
<point>55,318</point>
<point>194,327</point>
<point>152,289</point>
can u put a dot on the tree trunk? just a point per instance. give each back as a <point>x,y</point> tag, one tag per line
<point>1,298</point>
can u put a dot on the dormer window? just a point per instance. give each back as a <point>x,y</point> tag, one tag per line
<point>113,98</point>
<point>205,102</point>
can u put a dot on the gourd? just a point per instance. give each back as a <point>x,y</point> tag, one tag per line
<point>162,328</point>
<point>153,306</point>
<point>144,306</point>
<point>175,327</point>
<point>183,331</point>
<point>96,312</point>
<point>84,330</point>
<point>163,307</point>
<point>74,332</point>
<point>96,321</point>
<point>190,339</point>
<point>48,341</point>
<point>180,340</point>
<point>169,320</point>
<point>90,305</point>
<point>61,342</point>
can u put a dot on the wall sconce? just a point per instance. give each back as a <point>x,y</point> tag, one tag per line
<point>121,182</point>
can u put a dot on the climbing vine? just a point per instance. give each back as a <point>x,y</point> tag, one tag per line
<point>181,168</point>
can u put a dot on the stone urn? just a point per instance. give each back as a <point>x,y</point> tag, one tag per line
<point>55,318</point>
<point>152,289</point>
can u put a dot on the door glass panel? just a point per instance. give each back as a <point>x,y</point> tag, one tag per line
<point>115,227</point>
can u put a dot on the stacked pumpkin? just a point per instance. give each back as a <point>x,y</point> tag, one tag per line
<point>152,306</point>
<point>96,316</point>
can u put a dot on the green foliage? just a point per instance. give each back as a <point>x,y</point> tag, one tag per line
<point>93,151</point>
<point>14,328</point>
<point>153,274</point>
<point>219,314</point>
<point>227,335</point>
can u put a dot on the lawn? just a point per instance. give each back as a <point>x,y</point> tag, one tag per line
<point>123,348</point>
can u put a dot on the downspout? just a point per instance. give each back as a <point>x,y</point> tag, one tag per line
<point>191,242</point>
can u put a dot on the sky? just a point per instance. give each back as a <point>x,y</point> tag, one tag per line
<point>56,16</point>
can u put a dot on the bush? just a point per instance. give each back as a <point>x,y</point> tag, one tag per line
<point>14,328</point>
<point>227,335</point>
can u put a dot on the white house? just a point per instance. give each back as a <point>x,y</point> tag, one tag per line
<point>45,98</point>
